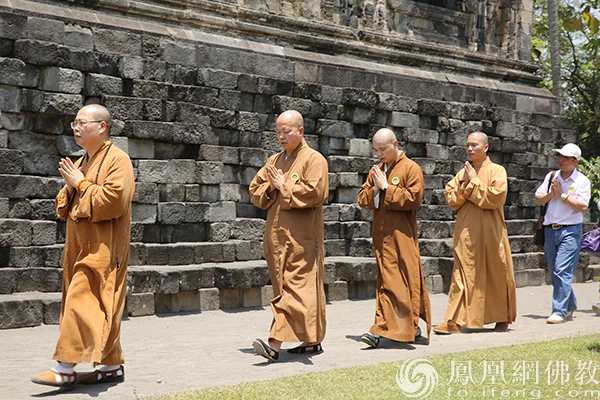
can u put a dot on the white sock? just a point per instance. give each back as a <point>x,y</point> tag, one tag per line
<point>65,368</point>
<point>105,368</point>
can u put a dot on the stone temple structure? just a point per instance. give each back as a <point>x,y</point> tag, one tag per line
<point>195,87</point>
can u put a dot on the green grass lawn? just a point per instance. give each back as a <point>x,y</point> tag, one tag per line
<point>561,369</point>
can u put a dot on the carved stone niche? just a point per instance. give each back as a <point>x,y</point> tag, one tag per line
<point>441,22</point>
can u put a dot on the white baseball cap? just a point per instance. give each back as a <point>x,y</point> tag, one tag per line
<point>570,150</point>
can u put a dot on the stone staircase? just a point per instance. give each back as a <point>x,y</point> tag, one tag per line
<point>200,276</point>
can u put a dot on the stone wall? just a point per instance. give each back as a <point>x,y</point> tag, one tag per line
<point>196,112</point>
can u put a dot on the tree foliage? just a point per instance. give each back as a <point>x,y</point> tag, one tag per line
<point>579,33</point>
<point>591,168</point>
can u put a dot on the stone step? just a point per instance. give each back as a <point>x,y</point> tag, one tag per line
<point>31,256</point>
<point>29,186</point>
<point>521,226</point>
<point>21,310</point>
<point>443,247</point>
<point>24,232</point>
<point>523,244</point>
<point>436,247</point>
<point>42,279</point>
<point>537,260</point>
<point>171,279</point>
<point>180,253</point>
<point>532,277</point>
<point>210,286</point>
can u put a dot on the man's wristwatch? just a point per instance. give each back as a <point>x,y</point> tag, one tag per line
<point>564,196</point>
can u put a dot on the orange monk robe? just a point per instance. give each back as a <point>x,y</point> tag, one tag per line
<point>401,297</point>
<point>293,243</point>
<point>483,284</point>
<point>95,258</point>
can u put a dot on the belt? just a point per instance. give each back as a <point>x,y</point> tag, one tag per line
<point>558,226</point>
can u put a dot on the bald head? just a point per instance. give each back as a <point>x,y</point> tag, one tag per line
<point>477,147</point>
<point>98,113</point>
<point>479,136</point>
<point>290,130</point>
<point>384,136</point>
<point>385,146</point>
<point>291,117</point>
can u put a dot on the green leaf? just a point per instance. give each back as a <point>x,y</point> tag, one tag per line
<point>573,24</point>
<point>594,25</point>
<point>586,16</point>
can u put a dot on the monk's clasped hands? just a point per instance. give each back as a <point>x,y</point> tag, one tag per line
<point>470,172</point>
<point>379,178</point>
<point>275,176</point>
<point>69,172</point>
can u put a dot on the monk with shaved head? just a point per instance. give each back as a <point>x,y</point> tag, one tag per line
<point>292,187</point>
<point>394,189</point>
<point>96,203</point>
<point>482,290</point>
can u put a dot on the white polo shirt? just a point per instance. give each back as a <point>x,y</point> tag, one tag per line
<point>578,185</point>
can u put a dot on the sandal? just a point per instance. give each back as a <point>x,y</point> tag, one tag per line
<point>98,376</point>
<point>265,350</point>
<point>54,378</point>
<point>370,339</point>
<point>313,348</point>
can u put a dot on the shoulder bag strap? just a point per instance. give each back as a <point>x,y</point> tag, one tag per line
<point>545,206</point>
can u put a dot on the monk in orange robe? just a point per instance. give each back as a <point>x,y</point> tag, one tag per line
<point>483,289</point>
<point>292,186</point>
<point>394,189</point>
<point>96,202</point>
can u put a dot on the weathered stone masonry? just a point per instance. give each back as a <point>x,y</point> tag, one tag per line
<point>194,88</point>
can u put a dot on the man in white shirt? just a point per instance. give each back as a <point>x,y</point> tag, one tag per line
<point>567,192</point>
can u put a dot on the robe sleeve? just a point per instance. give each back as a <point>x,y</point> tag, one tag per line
<point>312,190</point>
<point>366,197</point>
<point>408,197</point>
<point>488,196</point>
<point>453,193</point>
<point>62,202</point>
<point>262,195</point>
<point>111,199</point>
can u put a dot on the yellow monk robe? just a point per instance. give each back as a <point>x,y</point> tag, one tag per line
<point>293,243</point>
<point>95,258</point>
<point>401,297</point>
<point>483,285</point>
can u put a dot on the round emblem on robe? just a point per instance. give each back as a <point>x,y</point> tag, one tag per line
<point>395,180</point>
<point>295,177</point>
<point>571,189</point>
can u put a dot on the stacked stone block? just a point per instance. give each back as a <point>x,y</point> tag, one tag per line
<point>198,118</point>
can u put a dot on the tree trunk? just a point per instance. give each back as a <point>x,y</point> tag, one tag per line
<point>554,48</point>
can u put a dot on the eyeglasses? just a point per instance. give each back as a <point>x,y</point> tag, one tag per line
<point>78,123</point>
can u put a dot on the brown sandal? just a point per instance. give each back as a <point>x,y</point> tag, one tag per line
<point>54,378</point>
<point>313,348</point>
<point>265,350</point>
<point>98,376</point>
